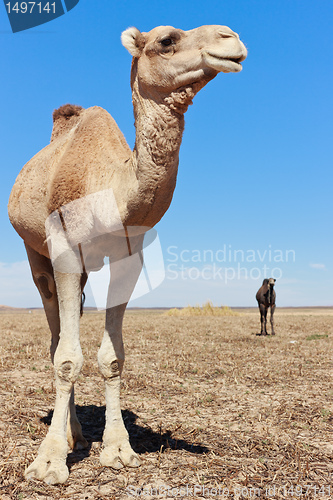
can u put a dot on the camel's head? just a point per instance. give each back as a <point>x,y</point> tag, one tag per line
<point>271,282</point>
<point>166,58</point>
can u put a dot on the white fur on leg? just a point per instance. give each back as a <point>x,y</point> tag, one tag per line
<point>50,464</point>
<point>117,451</point>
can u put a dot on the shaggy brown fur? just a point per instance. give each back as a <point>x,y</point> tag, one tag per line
<point>64,119</point>
<point>66,111</point>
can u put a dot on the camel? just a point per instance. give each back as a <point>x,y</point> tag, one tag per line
<point>87,196</point>
<point>266,297</point>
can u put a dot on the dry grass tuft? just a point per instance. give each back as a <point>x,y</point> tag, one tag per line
<point>208,309</point>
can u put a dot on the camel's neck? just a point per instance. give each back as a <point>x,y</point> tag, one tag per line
<point>159,123</point>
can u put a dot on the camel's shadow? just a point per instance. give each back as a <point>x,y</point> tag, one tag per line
<point>142,438</point>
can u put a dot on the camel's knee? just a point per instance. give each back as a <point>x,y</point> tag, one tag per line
<point>67,366</point>
<point>68,370</point>
<point>109,365</point>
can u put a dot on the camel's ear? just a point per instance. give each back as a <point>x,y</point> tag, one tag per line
<point>133,40</point>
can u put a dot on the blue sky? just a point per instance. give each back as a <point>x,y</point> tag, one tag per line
<point>255,173</point>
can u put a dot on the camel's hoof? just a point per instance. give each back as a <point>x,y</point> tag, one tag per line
<point>50,463</point>
<point>119,455</point>
<point>81,444</point>
<point>49,471</point>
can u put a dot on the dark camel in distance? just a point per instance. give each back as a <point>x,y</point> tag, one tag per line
<point>266,297</point>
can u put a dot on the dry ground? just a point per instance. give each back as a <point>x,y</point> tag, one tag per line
<point>207,402</point>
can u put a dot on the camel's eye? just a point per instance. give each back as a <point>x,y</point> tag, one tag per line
<point>166,42</point>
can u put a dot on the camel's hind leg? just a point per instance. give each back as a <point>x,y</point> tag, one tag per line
<point>272,318</point>
<point>43,276</point>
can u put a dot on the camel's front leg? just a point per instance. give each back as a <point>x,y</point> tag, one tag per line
<point>117,451</point>
<point>75,437</point>
<point>50,464</point>
<point>43,276</point>
<point>263,319</point>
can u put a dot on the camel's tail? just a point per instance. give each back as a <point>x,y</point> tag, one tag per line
<point>64,118</point>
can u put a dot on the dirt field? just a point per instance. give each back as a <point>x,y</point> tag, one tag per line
<point>213,410</point>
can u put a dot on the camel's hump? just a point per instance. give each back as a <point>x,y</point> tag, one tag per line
<point>69,116</point>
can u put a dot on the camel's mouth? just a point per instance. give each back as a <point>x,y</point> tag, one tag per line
<point>222,63</point>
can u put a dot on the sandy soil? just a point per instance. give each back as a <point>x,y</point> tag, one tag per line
<point>213,410</point>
